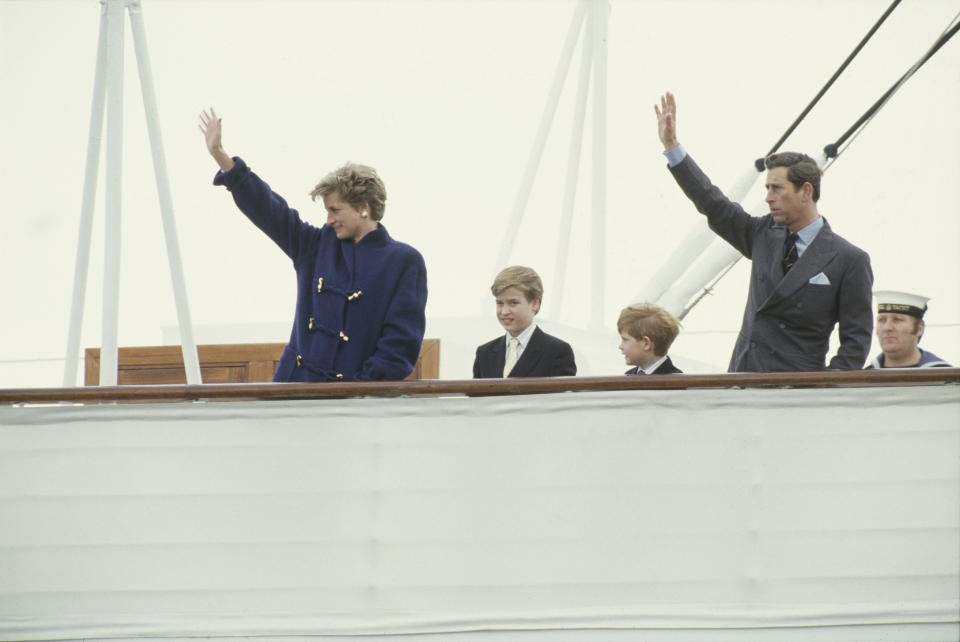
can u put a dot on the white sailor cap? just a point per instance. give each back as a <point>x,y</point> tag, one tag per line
<point>901,303</point>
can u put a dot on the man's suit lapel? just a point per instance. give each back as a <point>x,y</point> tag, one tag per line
<point>531,355</point>
<point>817,255</point>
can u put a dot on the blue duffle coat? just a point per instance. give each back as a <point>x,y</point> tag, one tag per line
<point>360,306</point>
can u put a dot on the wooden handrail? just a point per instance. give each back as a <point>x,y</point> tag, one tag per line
<point>286,391</point>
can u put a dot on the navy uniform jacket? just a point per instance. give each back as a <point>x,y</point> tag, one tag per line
<point>666,367</point>
<point>788,319</point>
<point>927,360</point>
<point>360,306</point>
<point>543,356</point>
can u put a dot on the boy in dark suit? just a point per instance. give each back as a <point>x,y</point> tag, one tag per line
<point>646,333</point>
<point>525,350</point>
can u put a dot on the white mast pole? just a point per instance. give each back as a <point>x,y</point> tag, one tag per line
<point>715,260</point>
<point>190,360</point>
<point>540,141</point>
<point>111,262</point>
<point>573,168</point>
<point>695,243</point>
<point>82,264</point>
<point>599,190</point>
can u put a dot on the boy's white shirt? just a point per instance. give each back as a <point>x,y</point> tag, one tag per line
<point>522,338</point>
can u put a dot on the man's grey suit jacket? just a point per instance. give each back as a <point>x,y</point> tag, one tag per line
<point>788,318</point>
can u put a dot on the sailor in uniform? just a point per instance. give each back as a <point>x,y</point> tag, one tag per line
<point>899,328</point>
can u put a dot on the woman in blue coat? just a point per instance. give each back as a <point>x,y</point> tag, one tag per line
<point>360,294</point>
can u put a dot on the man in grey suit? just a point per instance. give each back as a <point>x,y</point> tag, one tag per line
<point>804,280</point>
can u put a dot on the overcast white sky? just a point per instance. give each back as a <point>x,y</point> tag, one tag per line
<point>444,98</point>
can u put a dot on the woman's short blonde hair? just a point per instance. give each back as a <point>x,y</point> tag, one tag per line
<point>649,320</point>
<point>523,278</point>
<point>357,185</point>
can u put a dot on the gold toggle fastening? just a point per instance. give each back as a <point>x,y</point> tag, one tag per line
<point>320,285</point>
<point>339,376</point>
<point>344,337</point>
<point>299,361</point>
<point>355,295</point>
<point>310,324</point>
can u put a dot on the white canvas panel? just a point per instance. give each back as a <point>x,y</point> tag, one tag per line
<point>672,514</point>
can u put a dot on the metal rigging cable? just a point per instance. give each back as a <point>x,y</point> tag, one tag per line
<point>832,151</point>
<point>760,161</point>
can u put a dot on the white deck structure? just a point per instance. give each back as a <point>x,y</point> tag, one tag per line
<point>773,514</point>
